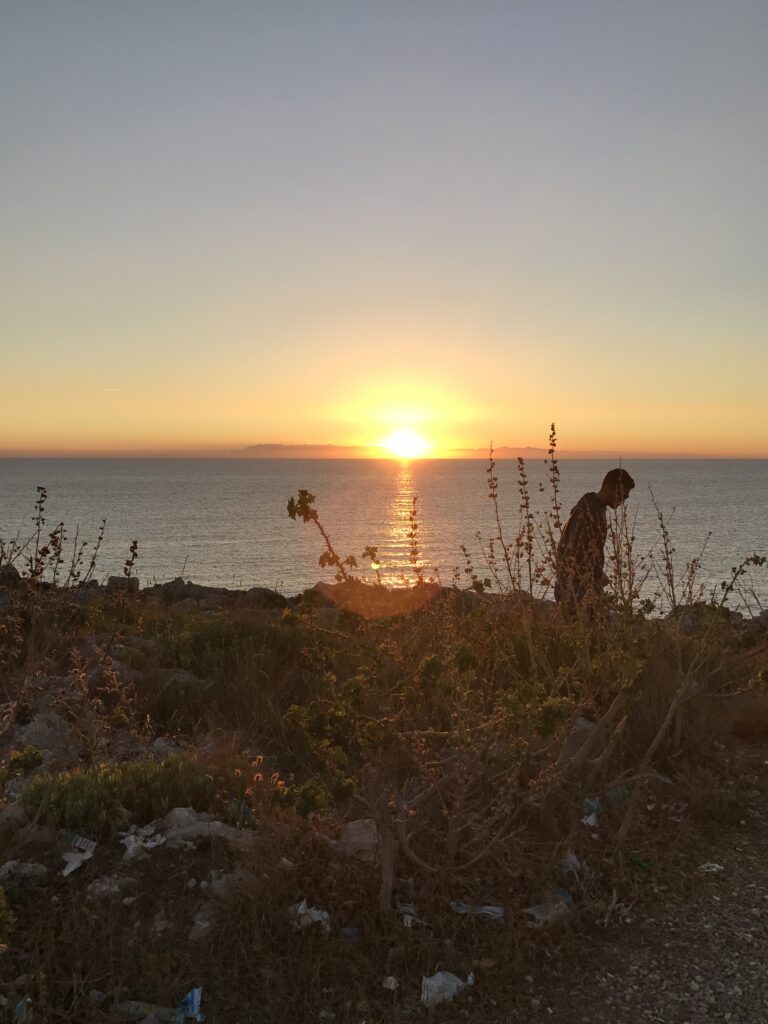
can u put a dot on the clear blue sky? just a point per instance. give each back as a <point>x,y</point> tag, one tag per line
<point>235,222</point>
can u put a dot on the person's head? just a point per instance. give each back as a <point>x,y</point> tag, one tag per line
<point>617,483</point>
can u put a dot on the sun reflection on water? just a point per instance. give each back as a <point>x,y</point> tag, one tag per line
<point>395,548</point>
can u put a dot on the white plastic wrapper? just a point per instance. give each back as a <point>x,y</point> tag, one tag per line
<point>442,988</point>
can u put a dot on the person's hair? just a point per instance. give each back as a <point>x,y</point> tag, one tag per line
<point>618,478</point>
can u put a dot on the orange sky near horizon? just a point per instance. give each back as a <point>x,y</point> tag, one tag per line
<point>311,224</point>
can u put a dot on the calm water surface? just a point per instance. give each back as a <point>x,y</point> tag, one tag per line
<point>224,522</point>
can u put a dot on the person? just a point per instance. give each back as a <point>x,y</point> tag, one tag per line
<point>580,550</point>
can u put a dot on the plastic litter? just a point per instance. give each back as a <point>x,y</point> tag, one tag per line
<point>391,984</point>
<point>710,868</point>
<point>545,914</point>
<point>20,1011</point>
<point>150,1013</point>
<point>591,811</point>
<point>138,839</point>
<point>492,912</point>
<point>82,850</point>
<point>408,913</point>
<point>572,863</point>
<point>306,916</point>
<point>442,987</point>
<point>582,730</point>
<point>617,796</point>
<point>190,1006</point>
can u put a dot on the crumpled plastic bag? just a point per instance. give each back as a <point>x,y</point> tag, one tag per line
<point>305,916</point>
<point>442,987</point>
<point>494,913</point>
<point>140,838</point>
<point>544,914</point>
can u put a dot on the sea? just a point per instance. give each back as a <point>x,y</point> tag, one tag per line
<point>224,522</point>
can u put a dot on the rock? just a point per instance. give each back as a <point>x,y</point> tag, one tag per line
<point>10,577</point>
<point>123,584</point>
<point>326,618</point>
<point>52,736</point>
<point>109,885</point>
<point>263,597</point>
<point>162,748</point>
<point>174,590</point>
<point>22,871</point>
<point>14,814</point>
<point>160,922</point>
<point>124,673</point>
<point>223,886</point>
<point>176,688</point>
<point>135,853</point>
<point>186,604</point>
<point>359,839</point>
<point>183,827</point>
<point>42,835</point>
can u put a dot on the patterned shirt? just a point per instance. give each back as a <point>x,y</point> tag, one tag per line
<point>580,554</point>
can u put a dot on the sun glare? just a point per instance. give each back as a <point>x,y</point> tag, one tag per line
<point>406,444</point>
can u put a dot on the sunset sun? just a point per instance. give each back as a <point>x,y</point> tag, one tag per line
<point>406,444</point>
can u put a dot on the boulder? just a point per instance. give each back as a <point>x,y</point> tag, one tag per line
<point>52,735</point>
<point>10,577</point>
<point>184,827</point>
<point>109,885</point>
<point>358,839</point>
<point>263,597</point>
<point>173,590</point>
<point>123,585</point>
<point>14,871</point>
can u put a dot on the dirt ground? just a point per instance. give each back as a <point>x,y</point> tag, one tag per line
<point>693,947</point>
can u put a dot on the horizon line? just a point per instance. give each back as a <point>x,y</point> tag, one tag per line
<point>332,451</point>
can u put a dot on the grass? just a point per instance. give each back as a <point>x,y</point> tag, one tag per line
<point>99,799</point>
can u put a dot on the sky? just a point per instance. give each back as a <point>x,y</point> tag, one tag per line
<point>324,221</point>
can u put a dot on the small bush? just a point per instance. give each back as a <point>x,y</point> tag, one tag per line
<point>94,800</point>
<point>19,763</point>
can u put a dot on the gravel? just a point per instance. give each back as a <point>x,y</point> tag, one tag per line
<point>694,952</point>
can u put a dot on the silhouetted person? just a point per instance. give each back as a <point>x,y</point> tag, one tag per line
<point>580,551</point>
